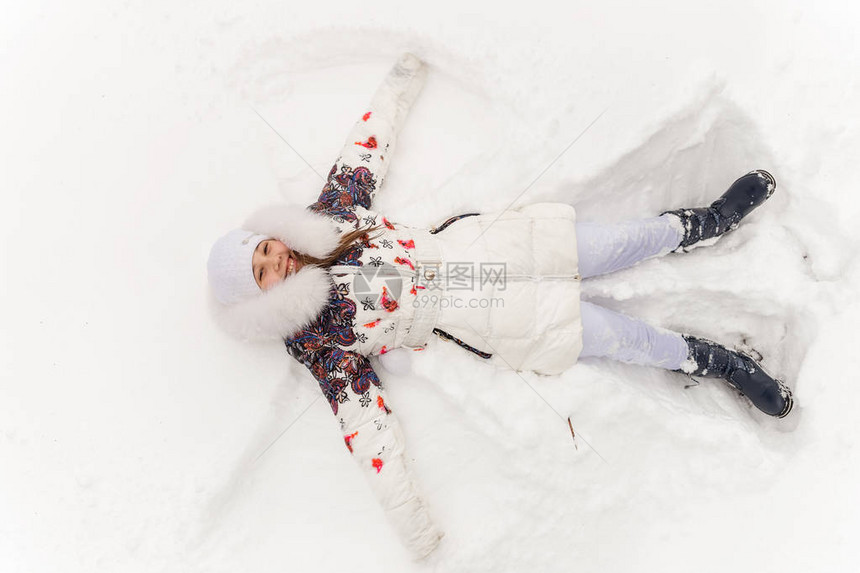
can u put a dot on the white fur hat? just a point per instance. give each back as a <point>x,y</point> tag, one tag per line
<point>239,305</point>
<point>230,266</point>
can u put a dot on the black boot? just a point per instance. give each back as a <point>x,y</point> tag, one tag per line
<point>712,360</point>
<point>724,214</point>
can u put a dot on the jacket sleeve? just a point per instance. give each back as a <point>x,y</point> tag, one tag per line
<point>363,162</point>
<point>372,434</point>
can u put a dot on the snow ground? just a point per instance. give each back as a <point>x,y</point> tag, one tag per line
<point>130,427</point>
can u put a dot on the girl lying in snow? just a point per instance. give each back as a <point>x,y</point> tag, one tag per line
<point>504,286</point>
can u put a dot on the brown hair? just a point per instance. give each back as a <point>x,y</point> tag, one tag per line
<point>346,241</point>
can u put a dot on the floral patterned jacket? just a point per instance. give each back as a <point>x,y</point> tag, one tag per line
<point>354,325</point>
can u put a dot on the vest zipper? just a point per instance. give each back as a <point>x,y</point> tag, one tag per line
<point>434,230</point>
<point>445,336</point>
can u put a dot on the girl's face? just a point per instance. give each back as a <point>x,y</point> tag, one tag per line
<point>273,261</point>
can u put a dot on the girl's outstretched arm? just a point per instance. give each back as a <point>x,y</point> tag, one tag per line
<point>373,436</point>
<point>360,170</point>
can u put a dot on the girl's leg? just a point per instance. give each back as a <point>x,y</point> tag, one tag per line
<point>609,334</point>
<point>604,248</point>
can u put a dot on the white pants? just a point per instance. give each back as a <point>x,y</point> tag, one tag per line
<point>604,248</point>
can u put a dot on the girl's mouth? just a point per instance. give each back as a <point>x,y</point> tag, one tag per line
<point>290,266</point>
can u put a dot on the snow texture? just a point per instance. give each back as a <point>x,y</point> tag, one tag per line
<point>131,429</point>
